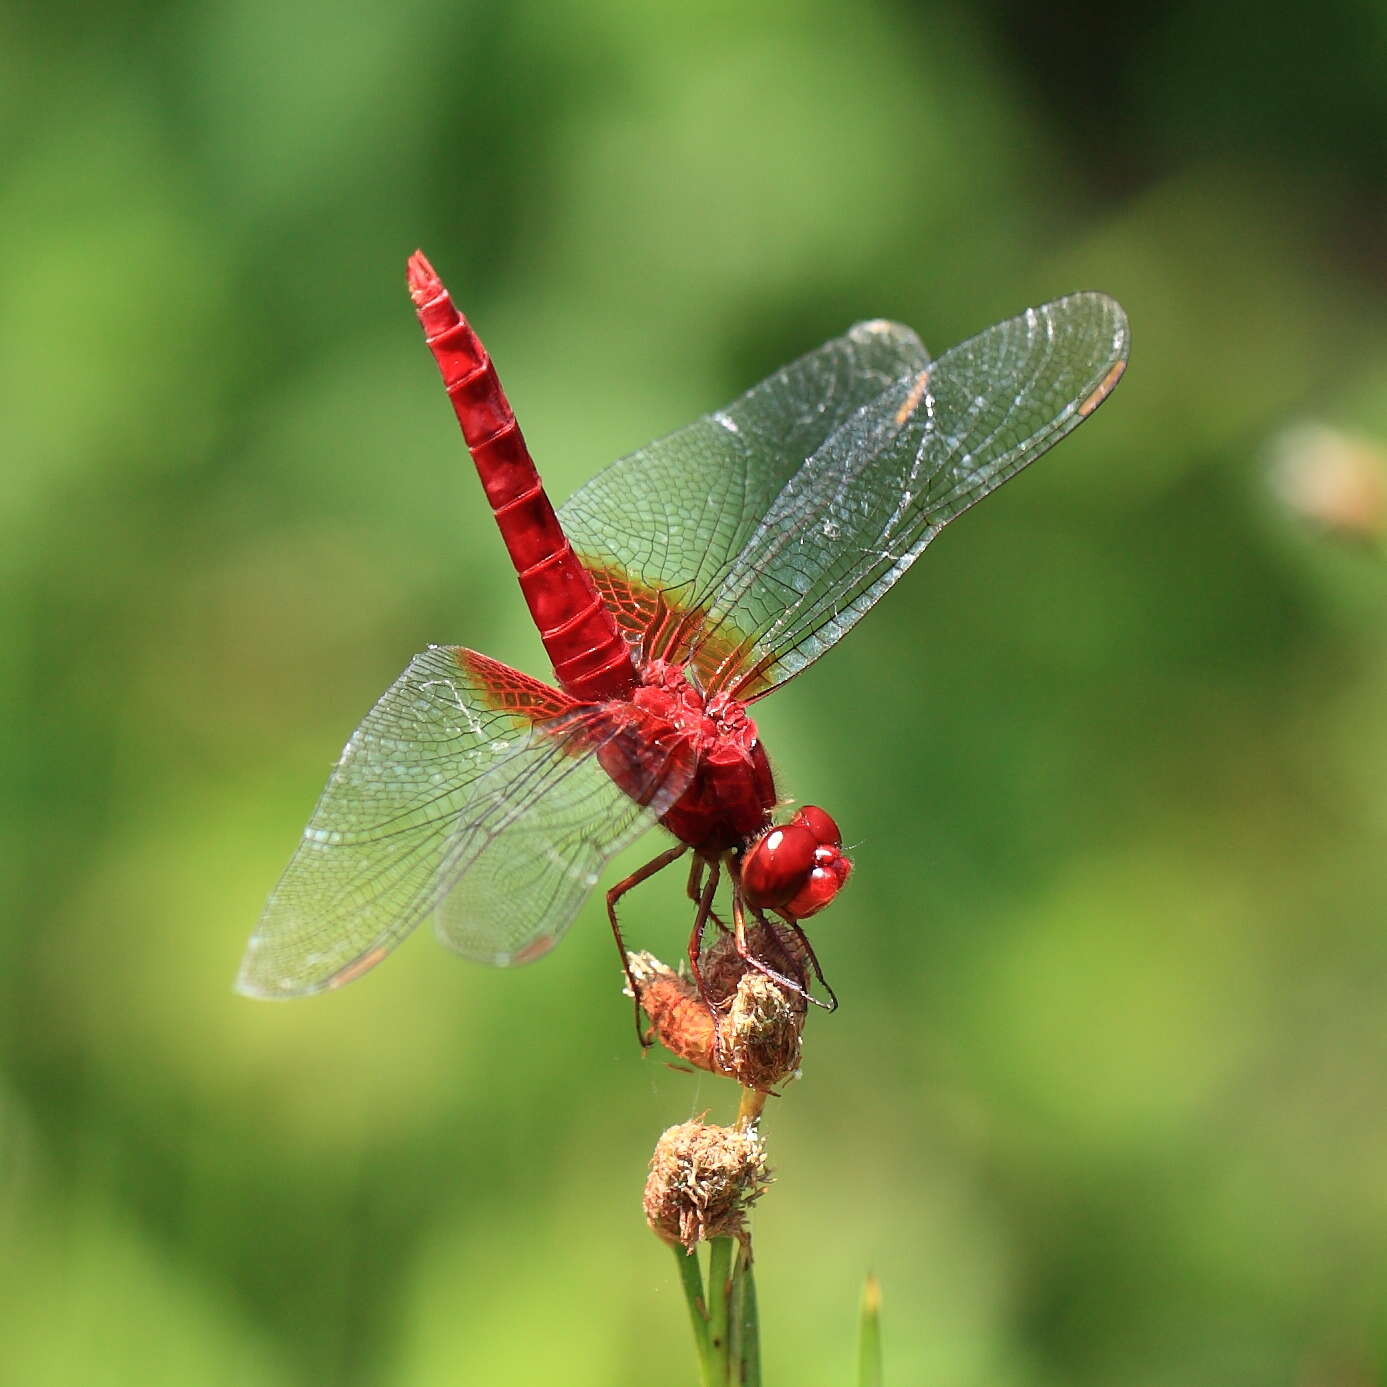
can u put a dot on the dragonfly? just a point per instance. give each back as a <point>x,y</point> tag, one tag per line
<point>671,593</point>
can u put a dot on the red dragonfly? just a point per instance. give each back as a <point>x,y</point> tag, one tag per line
<point>679,586</point>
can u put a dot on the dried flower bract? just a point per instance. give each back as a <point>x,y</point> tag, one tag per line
<point>703,1179</point>
<point>753,1034</point>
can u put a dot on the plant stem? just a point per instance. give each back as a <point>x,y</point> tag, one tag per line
<point>719,1294</point>
<point>749,1109</point>
<point>748,1328</point>
<point>736,1288</point>
<point>692,1280</point>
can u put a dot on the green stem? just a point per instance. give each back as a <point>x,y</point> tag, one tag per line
<point>719,1293</point>
<point>734,1322</point>
<point>748,1328</point>
<point>692,1280</point>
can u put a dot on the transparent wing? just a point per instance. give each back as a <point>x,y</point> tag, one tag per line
<point>662,529</point>
<point>525,863</point>
<point>863,508</point>
<point>464,769</point>
<point>845,522</point>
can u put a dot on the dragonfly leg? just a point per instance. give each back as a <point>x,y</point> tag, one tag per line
<point>706,890</point>
<point>657,864</point>
<point>772,934</point>
<point>696,886</point>
<point>761,966</point>
<point>832,1003</point>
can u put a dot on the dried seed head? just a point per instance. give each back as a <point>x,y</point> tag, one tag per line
<point>753,1034</point>
<point>723,967</point>
<point>761,1035</point>
<point>703,1179</point>
<point>680,1021</point>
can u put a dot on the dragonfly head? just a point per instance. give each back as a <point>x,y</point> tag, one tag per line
<point>796,868</point>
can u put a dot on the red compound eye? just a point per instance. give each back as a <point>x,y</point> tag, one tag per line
<point>831,870</point>
<point>777,865</point>
<point>816,893</point>
<point>820,824</point>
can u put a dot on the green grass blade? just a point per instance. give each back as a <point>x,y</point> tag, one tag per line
<point>869,1353</point>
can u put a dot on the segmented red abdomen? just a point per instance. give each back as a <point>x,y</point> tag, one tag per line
<point>590,657</point>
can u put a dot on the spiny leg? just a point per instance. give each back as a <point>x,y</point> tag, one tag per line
<point>832,1004</point>
<point>772,933</point>
<point>700,925</point>
<point>695,888</point>
<point>745,954</point>
<point>657,864</point>
<point>701,918</point>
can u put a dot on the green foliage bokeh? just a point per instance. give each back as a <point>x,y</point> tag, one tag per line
<point>1105,1099</point>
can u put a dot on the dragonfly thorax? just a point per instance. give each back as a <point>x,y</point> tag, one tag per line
<point>731,793</point>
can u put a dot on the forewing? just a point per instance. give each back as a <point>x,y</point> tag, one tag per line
<point>663,528</point>
<point>859,512</point>
<point>434,785</point>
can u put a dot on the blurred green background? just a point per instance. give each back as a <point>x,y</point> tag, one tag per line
<point>1106,1101</point>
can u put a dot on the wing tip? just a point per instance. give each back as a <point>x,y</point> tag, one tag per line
<point>249,983</point>
<point>883,329</point>
<point>1121,330</point>
<point>258,981</point>
<point>1119,335</point>
<point>876,327</point>
<point>261,980</point>
<point>1103,389</point>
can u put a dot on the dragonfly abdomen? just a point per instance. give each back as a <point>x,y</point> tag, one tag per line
<point>590,657</point>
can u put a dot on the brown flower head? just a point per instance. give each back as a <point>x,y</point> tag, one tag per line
<point>703,1179</point>
<point>752,1034</point>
